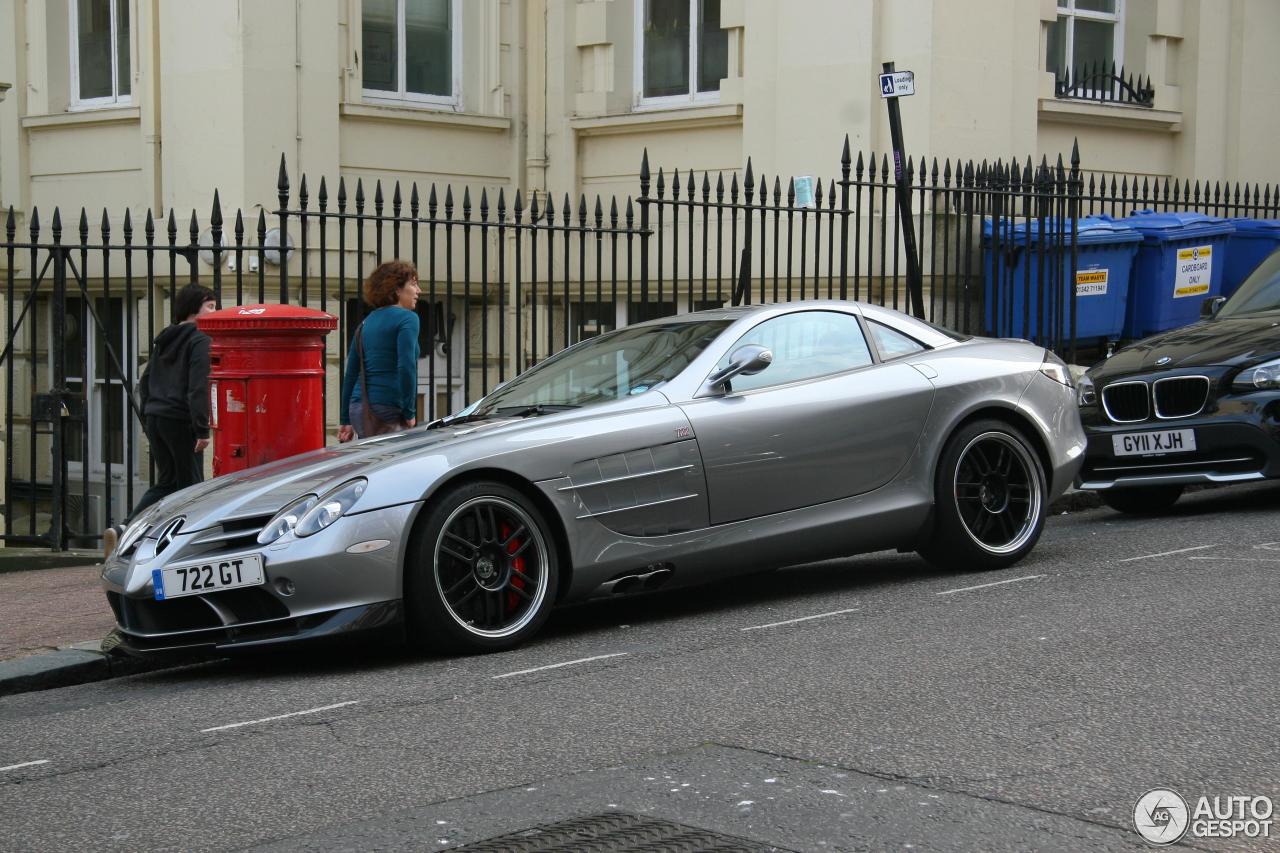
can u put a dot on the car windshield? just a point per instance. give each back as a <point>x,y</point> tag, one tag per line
<point>609,367</point>
<point>1260,291</point>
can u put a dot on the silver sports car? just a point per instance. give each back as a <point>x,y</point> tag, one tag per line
<point>672,452</point>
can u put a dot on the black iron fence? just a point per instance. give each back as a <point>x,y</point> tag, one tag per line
<point>509,278</point>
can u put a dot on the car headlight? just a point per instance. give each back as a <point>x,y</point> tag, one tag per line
<point>1056,369</point>
<point>286,519</point>
<point>1086,395</point>
<point>1263,376</point>
<point>331,507</point>
<point>132,534</point>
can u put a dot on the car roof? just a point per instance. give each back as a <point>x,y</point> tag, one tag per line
<point>737,312</point>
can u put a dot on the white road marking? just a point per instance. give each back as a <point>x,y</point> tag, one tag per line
<point>1238,559</point>
<point>558,665</point>
<point>278,717</point>
<point>801,619</point>
<point>985,585</point>
<point>1167,553</point>
<point>24,764</point>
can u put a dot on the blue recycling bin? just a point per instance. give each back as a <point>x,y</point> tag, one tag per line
<point>1180,263</point>
<point>1253,240</point>
<point>1016,282</point>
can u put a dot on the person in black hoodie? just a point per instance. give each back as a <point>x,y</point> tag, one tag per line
<point>174,392</point>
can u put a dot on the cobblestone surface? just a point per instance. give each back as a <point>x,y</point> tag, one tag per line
<point>48,608</point>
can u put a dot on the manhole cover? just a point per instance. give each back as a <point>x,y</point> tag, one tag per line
<point>618,832</point>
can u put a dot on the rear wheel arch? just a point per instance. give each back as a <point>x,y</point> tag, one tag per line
<point>951,539</point>
<point>1020,422</point>
<point>560,537</point>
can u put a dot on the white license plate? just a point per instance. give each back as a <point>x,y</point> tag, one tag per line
<point>1155,442</point>
<point>215,575</point>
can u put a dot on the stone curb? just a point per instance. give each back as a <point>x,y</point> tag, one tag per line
<point>70,666</point>
<point>29,560</point>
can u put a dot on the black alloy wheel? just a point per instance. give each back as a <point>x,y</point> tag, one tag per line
<point>989,498</point>
<point>483,573</point>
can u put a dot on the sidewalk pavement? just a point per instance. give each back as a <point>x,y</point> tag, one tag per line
<point>53,620</point>
<point>45,609</point>
<point>53,617</point>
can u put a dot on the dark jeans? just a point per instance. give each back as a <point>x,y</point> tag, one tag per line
<point>178,465</point>
<point>389,414</point>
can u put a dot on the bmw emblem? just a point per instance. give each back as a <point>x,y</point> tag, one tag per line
<point>1163,360</point>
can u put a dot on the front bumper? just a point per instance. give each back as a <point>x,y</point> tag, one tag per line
<point>385,616</point>
<point>1238,442</point>
<point>318,587</point>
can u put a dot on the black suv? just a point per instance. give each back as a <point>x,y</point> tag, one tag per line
<point>1200,404</point>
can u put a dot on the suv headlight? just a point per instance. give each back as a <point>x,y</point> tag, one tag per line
<point>1056,369</point>
<point>286,519</point>
<point>1263,376</point>
<point>331,507</point>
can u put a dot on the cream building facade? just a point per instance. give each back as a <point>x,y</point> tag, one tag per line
<point>551,94</point>
<point>149,105</point>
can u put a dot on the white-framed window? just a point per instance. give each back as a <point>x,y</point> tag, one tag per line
<point>1087,32</point>
<point>681,52</point>
<point>411,50</point>
<point>100,73</point>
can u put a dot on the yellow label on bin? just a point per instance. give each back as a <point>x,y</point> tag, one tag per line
<point>1193,272</point>
<point>1091,282</point>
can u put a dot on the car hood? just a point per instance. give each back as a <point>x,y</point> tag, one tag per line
<point>1230,341</point>
<point>401,467</point>
<point>266,489</point>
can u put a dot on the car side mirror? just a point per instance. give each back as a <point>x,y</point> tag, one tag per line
<point>746,360</point>
<point>1211,306</point>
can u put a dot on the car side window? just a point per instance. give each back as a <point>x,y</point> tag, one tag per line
<point>892,343</point>
<point>805,345</point>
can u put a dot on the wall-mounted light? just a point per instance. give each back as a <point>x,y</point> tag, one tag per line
<point>271,243</point>
<point>206,247</point>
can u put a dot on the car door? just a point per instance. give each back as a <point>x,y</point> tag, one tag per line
<point>824,421</point>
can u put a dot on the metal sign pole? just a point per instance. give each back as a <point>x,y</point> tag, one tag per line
<point>915,284</point>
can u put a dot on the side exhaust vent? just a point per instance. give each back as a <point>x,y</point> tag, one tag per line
<point>650,577</point>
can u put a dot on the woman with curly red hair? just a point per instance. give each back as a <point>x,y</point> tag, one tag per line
<point>379,390</point>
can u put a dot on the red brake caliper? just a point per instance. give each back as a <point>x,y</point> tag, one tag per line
<point>513,600</point>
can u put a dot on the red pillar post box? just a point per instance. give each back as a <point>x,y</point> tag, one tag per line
<point>266,382</point>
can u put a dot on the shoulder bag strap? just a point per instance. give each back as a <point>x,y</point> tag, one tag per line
<point>370,421</point>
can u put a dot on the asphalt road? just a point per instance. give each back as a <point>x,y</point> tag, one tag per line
<point>864,704</point>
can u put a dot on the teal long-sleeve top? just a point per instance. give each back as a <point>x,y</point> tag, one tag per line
<point>390,360</point>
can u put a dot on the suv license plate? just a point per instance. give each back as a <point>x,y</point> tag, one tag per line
<point>1153,443</point>
<point>215,575</point>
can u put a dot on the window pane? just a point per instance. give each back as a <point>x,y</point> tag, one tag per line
<point>428,47</point>
<point>111,315</point>
<point>1057,51</point>
<point>1108,6</point>
<point>93,21</point>
<point>114,420</point>
<point>73,346</point>
<point>73,430</point>
<point>122,47</point>
<point>713,47</point>
<point>1093,43</point>
<point>893,343</point>
<point>666,48</point>
<point>594,317</point>
<point>804,346</point>
<point>378,46</point>
<point>638,312</point>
